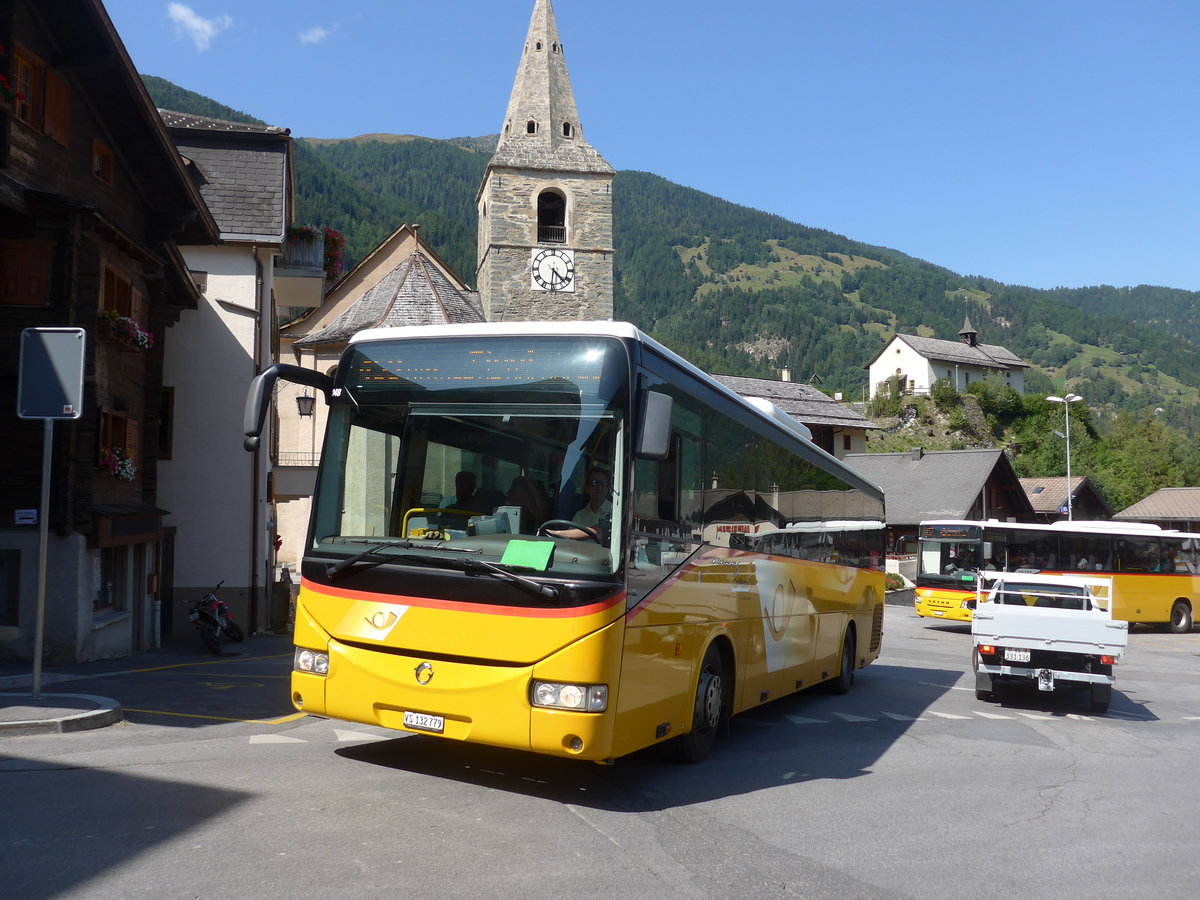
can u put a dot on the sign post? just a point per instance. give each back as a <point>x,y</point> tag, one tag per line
<point>49,387</point>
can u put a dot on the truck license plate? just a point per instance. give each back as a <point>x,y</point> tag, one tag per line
<point>1013,655</point>
<point>422,722</point>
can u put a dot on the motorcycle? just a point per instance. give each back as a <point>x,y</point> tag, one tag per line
<point>212,619</point>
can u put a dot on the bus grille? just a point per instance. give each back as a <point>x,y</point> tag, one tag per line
<point>876,628</point>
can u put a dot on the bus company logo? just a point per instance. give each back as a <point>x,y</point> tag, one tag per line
<point>382,621</point>
<point>424,673</point>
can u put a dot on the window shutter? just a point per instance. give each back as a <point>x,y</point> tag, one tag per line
<point>58,109</point>
<point>133,435</point>
<point>25,272</point>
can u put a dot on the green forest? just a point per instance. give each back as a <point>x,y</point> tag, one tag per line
<point>745,292</point>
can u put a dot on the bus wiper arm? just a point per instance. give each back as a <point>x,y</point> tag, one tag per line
<point>338,567</point>
<point>541,590</point>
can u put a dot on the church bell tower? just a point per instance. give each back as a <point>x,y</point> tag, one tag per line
<point>545,205</point>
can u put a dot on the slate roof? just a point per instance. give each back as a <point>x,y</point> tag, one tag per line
<point>414,293</point>
<point>1049,495</point>
<point>988,356</point>
<point>802,402</point>
<point>1181,504</point>
<point>939,485</point>
<point>243,172</point>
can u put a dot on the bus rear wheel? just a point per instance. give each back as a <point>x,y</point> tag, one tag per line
<point>1181,617</point>
<point>708,712</point>
<point>844,679</point>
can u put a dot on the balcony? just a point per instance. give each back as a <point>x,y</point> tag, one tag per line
<point>300,272</point>
<point>552,234</point>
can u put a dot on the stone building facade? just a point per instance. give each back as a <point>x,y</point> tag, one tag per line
<point>545,204</point>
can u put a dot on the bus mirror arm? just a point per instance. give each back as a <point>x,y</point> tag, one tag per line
<point>654,437</point>
<point>262,387</point>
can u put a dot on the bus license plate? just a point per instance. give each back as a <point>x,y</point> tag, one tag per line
<point>422,722</point>
<point>1014,655</point>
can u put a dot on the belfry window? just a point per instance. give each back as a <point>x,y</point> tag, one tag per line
<point>531,127</point>
<point>551,218</point>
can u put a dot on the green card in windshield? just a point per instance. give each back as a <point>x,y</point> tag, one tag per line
<point>528,554</point>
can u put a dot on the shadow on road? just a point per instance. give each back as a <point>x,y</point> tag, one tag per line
<point>767,747</point>
<point>65,826</point>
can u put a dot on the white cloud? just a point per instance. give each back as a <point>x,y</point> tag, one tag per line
<point>199,30</point>
<point>314,35</point>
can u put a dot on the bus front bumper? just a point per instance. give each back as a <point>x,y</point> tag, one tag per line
<point>476,702</point>
<point>931,605</point>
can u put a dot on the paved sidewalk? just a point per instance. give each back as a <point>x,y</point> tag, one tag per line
<point>58,711</point>
<point>22,714</point>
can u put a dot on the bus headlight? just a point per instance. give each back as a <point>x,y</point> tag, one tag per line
<point>311,661</point>
<point>579,697</point>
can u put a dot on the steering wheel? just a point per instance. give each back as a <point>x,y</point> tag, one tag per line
<point>544,528</point>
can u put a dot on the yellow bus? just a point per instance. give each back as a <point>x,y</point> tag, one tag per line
<point>1155,572</point>
<point>564,538</point>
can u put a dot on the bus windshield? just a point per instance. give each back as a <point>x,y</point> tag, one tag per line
<point>505,451</point>
<point>950,555</point>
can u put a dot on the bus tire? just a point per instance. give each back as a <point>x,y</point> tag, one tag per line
<point>710,708</point>
<point>844,679</point>
<point>1101,697</point>
<point>1181,617</point>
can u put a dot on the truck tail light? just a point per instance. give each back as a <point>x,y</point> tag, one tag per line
<point>1108,660</point>
<point>987,650</point>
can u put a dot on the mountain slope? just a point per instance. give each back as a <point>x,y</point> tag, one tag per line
<point>746,292</point>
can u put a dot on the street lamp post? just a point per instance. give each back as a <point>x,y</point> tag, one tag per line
<point>1066,402</point>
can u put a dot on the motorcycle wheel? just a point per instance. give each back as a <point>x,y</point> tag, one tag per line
<point>211,635</point>
<point>234,631</point>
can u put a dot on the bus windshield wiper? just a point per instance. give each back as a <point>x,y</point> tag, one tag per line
<point>470,566</point>
<point>334,569</point>
<point>541,590</point>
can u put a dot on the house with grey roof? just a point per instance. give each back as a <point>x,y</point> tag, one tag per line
<point>1177,508</point>
<point>836,427</point>
<point>1048,497</point>
<point>221,519</point>
<point>917,362</point>
<point>947,484</point>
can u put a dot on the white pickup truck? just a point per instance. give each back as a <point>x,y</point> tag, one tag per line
<point>1055,631</point>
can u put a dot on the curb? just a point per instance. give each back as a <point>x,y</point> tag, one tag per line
<point>903,597</point>
<point>107,712</point>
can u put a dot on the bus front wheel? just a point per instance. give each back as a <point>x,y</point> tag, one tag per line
<point>1181,617</point>
<point>708,711</point>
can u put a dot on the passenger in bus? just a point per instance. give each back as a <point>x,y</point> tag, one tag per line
<point>535,506</point>
<point>464,493</point>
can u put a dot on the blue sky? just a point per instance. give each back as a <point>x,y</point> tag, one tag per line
<point>1038,142</point>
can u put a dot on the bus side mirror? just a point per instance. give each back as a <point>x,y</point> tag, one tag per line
<point>258,399</point>
<point>654,435</point>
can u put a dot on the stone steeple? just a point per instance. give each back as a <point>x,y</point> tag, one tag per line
<point>545,205</point>
<point>541,128</point>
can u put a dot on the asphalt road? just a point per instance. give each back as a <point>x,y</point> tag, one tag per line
<point>905,787</point>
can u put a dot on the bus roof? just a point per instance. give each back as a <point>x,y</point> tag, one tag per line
<point>1075,526</point>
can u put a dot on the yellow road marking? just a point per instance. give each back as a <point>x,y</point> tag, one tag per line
<point>283,720</point>
<point>213,662</point>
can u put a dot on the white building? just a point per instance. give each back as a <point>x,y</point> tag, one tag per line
<point>221,523</point>
<point>918,362</point>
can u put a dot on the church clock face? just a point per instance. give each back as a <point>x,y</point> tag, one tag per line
<point>553,270</point>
